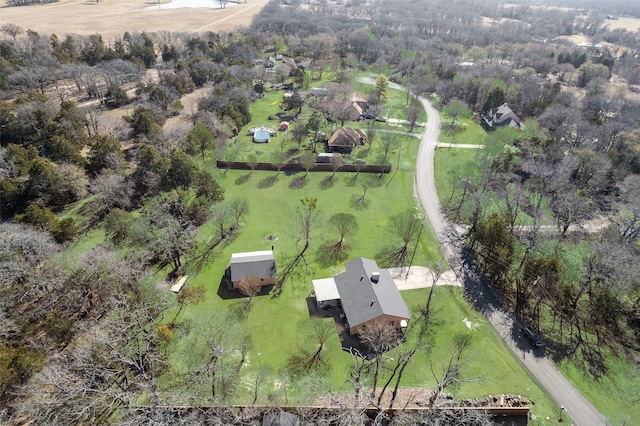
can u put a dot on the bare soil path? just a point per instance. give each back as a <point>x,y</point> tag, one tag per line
<point>111,18</point>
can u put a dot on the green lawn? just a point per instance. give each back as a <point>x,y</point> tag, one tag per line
<point>469,132</point>
<point>616,394</point>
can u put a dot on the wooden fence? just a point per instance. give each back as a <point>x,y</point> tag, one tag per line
<point>317,167</point>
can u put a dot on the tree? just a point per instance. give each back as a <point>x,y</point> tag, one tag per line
<point>344,224</point>
<point>11,30</point>
<point>451,375</point>
<point>214,351</point>
<point>117,223</point>
<point>182,172</point>
<point>379,337</point>
<point>239,208</point>
<point>113,191</point>
<point>105,153</point>
<point>361,202</point>
<point>107,370</point>
<point>307,161</point>
<point>413,112</point>
<point>208,187</point>
<point>314,123</point>
<point>252,161</point>
<point>71,184</point>
<point>295,101</point>
<point>299,133</point>
<point>189,296</point>
<point>389,142</point>
<point>250,286</point>
<point>405,226</point>
<point>588,72</point>
<point>381,88</point>
<point>456,110</point>
<point>200,139</point>
<point>307,221</point>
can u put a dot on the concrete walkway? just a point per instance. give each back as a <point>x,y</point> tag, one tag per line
<point>421,277</point>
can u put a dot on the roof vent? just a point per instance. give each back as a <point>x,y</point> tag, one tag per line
<point>375,277</point>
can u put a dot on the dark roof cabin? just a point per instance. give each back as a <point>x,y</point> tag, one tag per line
<point>499,117</point>
<point>346,139</point>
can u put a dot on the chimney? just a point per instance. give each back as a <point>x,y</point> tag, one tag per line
<point>272,247</point>
<point>375,277</point>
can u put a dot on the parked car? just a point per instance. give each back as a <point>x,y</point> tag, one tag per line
<point>533,336</point>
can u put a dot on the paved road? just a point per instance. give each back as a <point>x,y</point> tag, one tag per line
<point>581,411</point>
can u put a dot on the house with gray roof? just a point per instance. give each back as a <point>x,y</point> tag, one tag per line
<point>253,265</point>
<point>499,117</point>
<point>367,294</point>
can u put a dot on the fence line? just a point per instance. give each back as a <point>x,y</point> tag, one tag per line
<point>317,167</point>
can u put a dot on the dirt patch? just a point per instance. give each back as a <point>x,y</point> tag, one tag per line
<point>111,18</point>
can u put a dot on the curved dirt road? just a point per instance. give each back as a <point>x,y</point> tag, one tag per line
<point>581,411</point>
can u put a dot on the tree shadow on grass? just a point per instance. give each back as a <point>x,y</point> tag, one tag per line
<point>298,182</point>
<point>327,182</point>
<point>331,254</point>
<point>359,202</point>
<point>352,181</point>
<point>243,179</point>
<point>268,182</point>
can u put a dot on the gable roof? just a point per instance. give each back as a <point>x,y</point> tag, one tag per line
<point>352,110</point>
<point>501,116</point>
<point>364,299</point>
<point>259,264</point>
<point>346,137</point>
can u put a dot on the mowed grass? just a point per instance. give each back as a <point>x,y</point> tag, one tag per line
<point>616,394</point>
<point>469,132</point>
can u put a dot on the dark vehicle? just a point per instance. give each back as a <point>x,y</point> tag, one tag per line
<point>381,119</point>
<point>532,335</point>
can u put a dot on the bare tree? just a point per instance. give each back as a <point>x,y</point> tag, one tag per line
<point>345,224</point>
<point>11,30</point>
<point>413,113</point>
<point>250,286</point>
<point>189,296</point>
<point>379,337</point>
<point>451,375</point>
<point>239,208</point>
<point>405,226</point>
<point>307,222</point>
<point>389,142</point>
